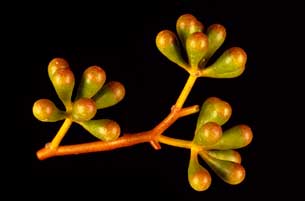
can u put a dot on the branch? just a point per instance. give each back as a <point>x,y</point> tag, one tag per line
<point>153,136</point>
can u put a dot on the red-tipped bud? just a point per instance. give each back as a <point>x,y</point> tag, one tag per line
<point>230,64</point>
<point>83,109</point>
<point>45,110</point>
<point>104,129</point>
<point>112,93</point>
<point>92,81</point>
<point>214,110</point>
<point>208,134</point>
<point>168,45</point>
<point>186,25</point>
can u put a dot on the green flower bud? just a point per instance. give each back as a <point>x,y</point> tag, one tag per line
<point>103,129</point>
<point>196,48</point>
<point>208,134</point>
<point>55,65</point>
<point>92,81</point>
<point>168,45</point>
<point>230,172</point>
<point>234,138</point>
<point>186,25</point>
<point>214,110</point>
<point>226,155</point>
<point>112,93</point>
<point>63,82</point>
<point>230,64</point>
<point>199,178</point>
<point>216,36</point>
<point>83,109</point>
<point>45,110</point>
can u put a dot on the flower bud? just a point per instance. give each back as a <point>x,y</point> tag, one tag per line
<point>214,110</point>
<point>83,109</point>
<point>186,25</point>
<point>112,93</point>
<point>63,82</point>
<point>45,110</point>
<point>57,64</point>
<point>196,48</point>
<point>198,177</point>
<point>208,134</point>
<point>92,81</point>
<point>234,138</point>
<point>230,172</point>
<point>226,155</point>
<point>168,45</point>
<point>230,64</point>
<point>103,129</point>
<point>216,36</point>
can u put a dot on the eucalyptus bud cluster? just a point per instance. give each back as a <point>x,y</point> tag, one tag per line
<point>92,94</point>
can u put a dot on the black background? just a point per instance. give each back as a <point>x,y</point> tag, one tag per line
<point>120,37</point>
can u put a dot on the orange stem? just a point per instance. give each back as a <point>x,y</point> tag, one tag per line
<point>124,141</point>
